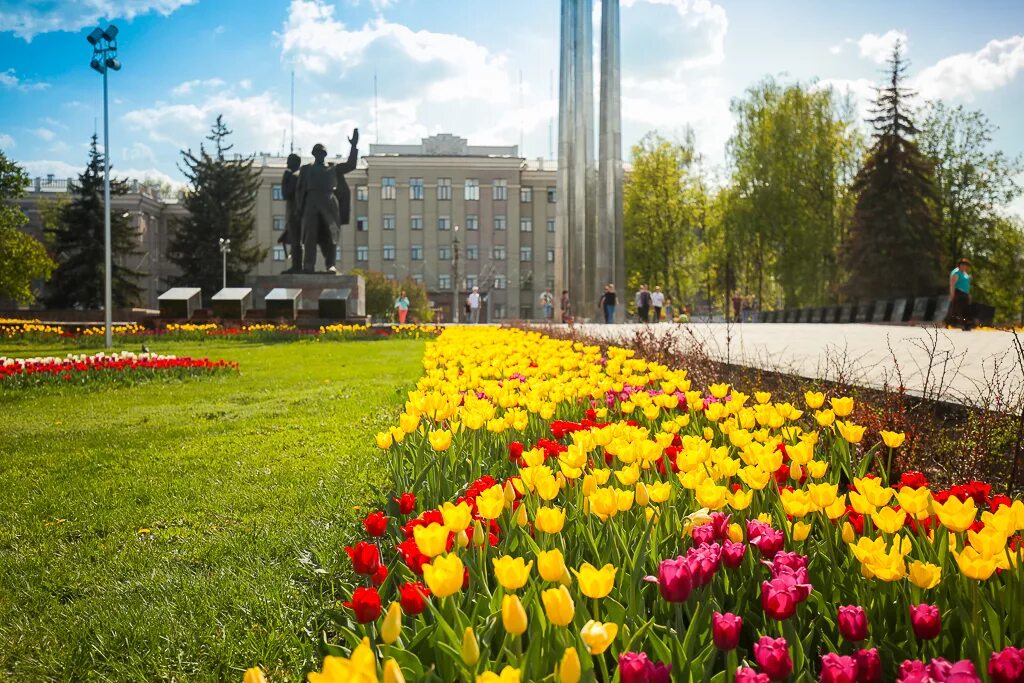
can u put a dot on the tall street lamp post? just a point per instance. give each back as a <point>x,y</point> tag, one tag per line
<point>225,249</point>
<point>455,276</point>
<point>104,58</point>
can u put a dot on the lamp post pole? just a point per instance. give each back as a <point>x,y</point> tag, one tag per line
<point>225,248</point>
<point>455,276</point>
<point>104,58</point>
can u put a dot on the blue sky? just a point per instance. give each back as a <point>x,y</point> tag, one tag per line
<point>482,69</point>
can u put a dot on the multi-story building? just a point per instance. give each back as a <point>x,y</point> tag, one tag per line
<point>444,213</point>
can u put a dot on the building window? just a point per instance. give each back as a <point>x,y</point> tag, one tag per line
<point>526,195</point>
<point>444,188</point>
<point>444,281</point>
<point>472,222</point>
<point>276,194</point>
<point>472,252</point>
<point>279,253</point>
<point>279,223</point>
<point>389,221</point>
<point>471,281</point>
<point>551,225</point>
<point>417,278</point>
<point>415,188</point>
<point>551,282</point>
<point>416,223</point>
<point>387,188</point>
<point>500,282</point>
<point>525,253</point>
<point>499,190</point>
<point>444,223</point>
<point>337,253</point>
<point>389,252</point>
<point>444,253</point>
<point>362,254</point>
<point>416,252</point>
<point>552,195</point>
<point>362,224</point>
<point>525,225</point>
<point>499,222</point>
<point>362,193</point>
<point>472,189</point>
<point>525,312</point>
<point>499,311</point>
<point>498,253</point>
<point>526,282</point>
<point>551,255</point>
<point>391,276</point>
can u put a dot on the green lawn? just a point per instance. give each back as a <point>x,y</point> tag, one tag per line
<point>247,484</point>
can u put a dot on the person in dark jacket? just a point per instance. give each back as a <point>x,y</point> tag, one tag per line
<point>607,304</point>
<point>325,203</point>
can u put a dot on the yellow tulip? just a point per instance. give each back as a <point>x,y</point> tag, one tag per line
<point>973,564</point>
<point>711,495</point>
<point>491,502</point>
<point>889,521</point>
<point>569,669</point>
<point>924,575</point>
<point>627,476</point>
<point>596,583</point>
<point>440,440</point>
<point>893,439</point>
<point>361,667</point>
<point>513,615</point>
<point>954,515</point>
<point>254,675</point>
<point>849,431</point>
<point>837,508</point>
<point>393,672</point>
<point>511,572</point>
<point>551,564</point>
<point>762,396</point>
<point>558,605</point>
<point>735,533</point>
<point>391,629</point>
<point>740,500</point>
<point>915,502</point>
<point>444,575</point>
<point>470,647</point>
<point>432,539</point>
<point>842,406</point>
<point>822,495</point>
<point>384,440</point>
<point>549,520</point>
<point>508,675</point>
<point>824,418</point>
<point>456,517</point>
<point>814,399</point>
<point>800,530</point>
<point>989,542</point>
<point>659,492</point>
<point>848,533</point>
<point>719,391</point>
<point>598,636</point>
<point>817,468</point>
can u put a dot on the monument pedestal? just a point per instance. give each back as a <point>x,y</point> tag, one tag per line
<point>312,285</point>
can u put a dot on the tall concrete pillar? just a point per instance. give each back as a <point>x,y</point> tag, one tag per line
<point>610,246</point>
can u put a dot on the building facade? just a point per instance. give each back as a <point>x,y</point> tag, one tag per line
<point>444,213</point>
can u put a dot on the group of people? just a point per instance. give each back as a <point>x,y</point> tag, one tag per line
<point>651,306</point>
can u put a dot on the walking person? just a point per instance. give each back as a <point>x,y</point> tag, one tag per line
<point>547,302</point>
<point>658,302</point>
<point>565,305</point>
<point>670,314</point>
<point>402,306</point>
<point>643,304</point>
<point>474,305</point>
<point>960,295</point>
<point>607,304</point>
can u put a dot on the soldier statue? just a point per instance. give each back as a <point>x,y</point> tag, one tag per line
<point>292,236</point>
<point>324,203</point>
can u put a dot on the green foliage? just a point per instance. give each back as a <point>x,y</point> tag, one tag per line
<point>793,153</point>
<point>381,294</point>
<point>23,258</point>
<point>77,241</point>
<point>174,531</point>
<point>998,273</point>
<point>894,248</point>
<point>221,204</point>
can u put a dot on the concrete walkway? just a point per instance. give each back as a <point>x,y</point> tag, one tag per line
<point>976,367</point>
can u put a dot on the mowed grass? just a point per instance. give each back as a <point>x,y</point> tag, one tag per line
<point>176,532</point>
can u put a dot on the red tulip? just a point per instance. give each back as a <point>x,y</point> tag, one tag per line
<point>770,542</point>
<point>926,621</point>
<point>1007,666</point>
<point>674,579</point>
<point>733,553</point>
<point>375,524</point>
<point>779,598</point>
<point>413,597</point>
<point>853,623</point>
<point>869,666</point>
<point>745,674</point>
<point>838,669</point>
<point>406,503</point>
<point>365,558</point>
<point>366,604</point>
<point>960,672</point>
<point>725,630</point>
<point>772,655</point>
<point>703,533</point>
<point>720,523</point>
<point>414,559</point>
<point>380,575</point>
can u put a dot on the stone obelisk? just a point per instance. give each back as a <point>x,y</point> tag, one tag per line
<point>589,210</point>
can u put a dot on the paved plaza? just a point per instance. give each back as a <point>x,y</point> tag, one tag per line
<point>947,365</point>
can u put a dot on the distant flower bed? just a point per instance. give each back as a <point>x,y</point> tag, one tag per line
<point>101,368</point>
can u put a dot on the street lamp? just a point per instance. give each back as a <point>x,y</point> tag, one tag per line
<point>225,249</point>
<point>104,58</point>
<point>455,275</point>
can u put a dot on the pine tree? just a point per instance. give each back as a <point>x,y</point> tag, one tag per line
<point>894,248</point>
<point>77,243</point>
<point>220,204</point>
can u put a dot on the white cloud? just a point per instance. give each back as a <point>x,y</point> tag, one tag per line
<point>703,17</point>
<point>9,79</point>
<point>6,141</point>
<point>875,47</point>
<point>29,19</point>
<point>44,167</point>
<point>45,134</point>
<point>188,87</point>
<point>964,74</point>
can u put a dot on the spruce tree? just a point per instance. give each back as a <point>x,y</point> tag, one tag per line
<point>893,248</point>
<point>220,204</point>
<point>77,243</point>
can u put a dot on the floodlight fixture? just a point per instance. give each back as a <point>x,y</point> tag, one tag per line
<point>113,63</point>
<point>96,66</point>
<point>95,36</point>
<point>110,33</point>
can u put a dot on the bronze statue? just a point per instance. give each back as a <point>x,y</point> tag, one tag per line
<point>324,203</point>
<point>292,236</point>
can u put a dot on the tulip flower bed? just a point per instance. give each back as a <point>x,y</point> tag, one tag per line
<point>560,514</point>
<point>104,369</point>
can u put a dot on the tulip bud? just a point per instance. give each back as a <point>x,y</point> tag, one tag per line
<point>462,539</point>
<point>521,518</point>
<point>391,629</point>
<point>513,615</point>
<point>478,534</point>
<point>853,623</point>
<point>725,630</point>
<point>510,493</point>
<point>569,669</point>
<point>393,672</point>
<point>470,648</point>
<point>589,485</point>
<point>848,535</point>
<point>254,675</point>
<point>642,497</point>
<point>926,621</point>
<point>735,533</point>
